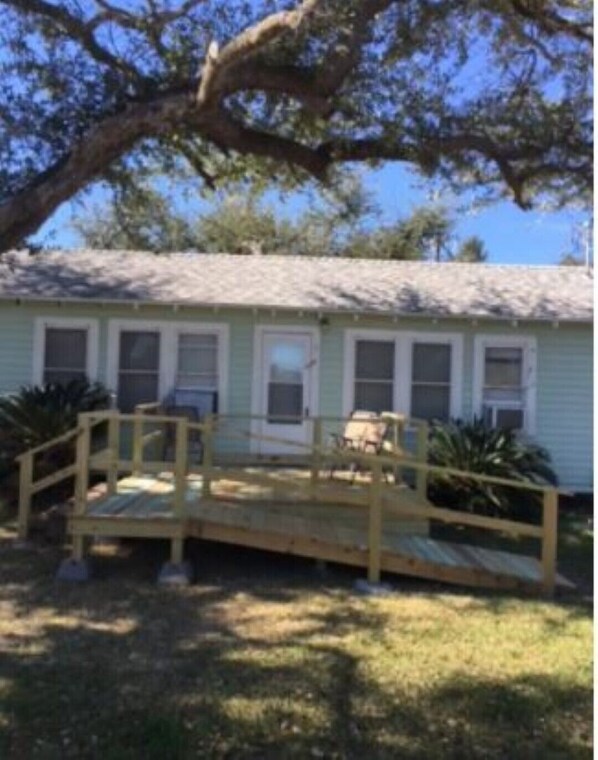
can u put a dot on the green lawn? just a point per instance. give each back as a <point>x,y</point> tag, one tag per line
<point>264,658</point>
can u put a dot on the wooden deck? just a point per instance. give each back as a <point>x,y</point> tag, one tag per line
<point>262,514</point>
<point>378,519</point>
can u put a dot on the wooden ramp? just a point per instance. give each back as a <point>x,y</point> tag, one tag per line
<point>253,512</point>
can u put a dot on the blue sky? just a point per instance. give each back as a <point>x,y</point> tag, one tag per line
<point>511,236</point>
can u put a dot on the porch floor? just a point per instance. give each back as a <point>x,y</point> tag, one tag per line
<point>268,514</point>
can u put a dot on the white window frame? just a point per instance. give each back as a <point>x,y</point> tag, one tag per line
<point>528,344</point>
<point>168,357</point>
<point>42,324</point>
<point>403,341</point>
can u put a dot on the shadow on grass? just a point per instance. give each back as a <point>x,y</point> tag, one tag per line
<point>119,669</point>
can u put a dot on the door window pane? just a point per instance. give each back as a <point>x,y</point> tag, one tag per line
<point>285,382</point>
<point>285,400</point>
<point>138,376</point>
<point>65,355</point>
<point>431,381</point>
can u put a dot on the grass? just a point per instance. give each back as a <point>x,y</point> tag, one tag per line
<point>264,658</point>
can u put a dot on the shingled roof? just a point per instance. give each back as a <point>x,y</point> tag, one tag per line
<point>295,282</point>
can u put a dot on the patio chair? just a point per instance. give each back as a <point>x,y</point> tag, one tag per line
<point>364,433</point>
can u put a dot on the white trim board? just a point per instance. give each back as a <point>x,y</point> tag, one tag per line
<point>66,323</point>
<point>404,340</point>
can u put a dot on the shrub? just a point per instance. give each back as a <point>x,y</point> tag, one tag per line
<point>474,447</point>
<point>36,414</point>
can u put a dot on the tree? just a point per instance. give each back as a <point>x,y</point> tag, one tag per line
<point>471,251</point>
<point>486,94</point>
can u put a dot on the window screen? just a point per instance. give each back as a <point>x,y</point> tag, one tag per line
<point>431,381</point>
<point>138,374</point>
<point>197,361</point>
<point>65,355</point>
<point>374,375</point>
<point>503,392</point>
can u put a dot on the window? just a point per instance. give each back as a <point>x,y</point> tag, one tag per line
<point>138,368</point>
<point>175,363</point>
<point>502,394</point>
<point>504,381</point>
<point>415,373</point>
<point>65,355</point>
<point>197,361</point>
<point>64,349</point>
<point>374,375</point>
<point>431,381</point>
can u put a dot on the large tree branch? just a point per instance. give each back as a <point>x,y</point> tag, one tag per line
<point>247,44</point>
<point>77,30</point>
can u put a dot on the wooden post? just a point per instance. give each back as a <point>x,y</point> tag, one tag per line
<point>114,449</point>
<point>550,514</point>
<point>398,446</point>
<point>316,456</point>
<point>180,466</point>
<point>25,482</point>
<point>208,456</point>
<point>375,525</point>
<point>137,444</point>
<point>421,476</point>
<point>82,462</point>
<point>83,448</point>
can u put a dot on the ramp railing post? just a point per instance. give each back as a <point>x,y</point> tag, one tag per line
<point>550,511</point>
<point>316,456</point>
<point>208,456</point>
<point>421,476</point>
<point>137,443</point>
<point>375,524</point>
<point>180,466</point>
<point>25,481</point>
<point>83,450</point>
<point>114,452</point>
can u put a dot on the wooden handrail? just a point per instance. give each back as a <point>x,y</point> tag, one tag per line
<point>49,444</point>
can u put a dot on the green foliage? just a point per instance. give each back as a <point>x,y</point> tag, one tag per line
<point>474,447</point>
<point>37,414</point>
<point>471,251</point>
<point>493,97</point>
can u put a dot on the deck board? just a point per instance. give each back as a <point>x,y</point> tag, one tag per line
<point>249,513</point>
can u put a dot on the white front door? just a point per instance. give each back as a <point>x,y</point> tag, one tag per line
<point>287,389</point>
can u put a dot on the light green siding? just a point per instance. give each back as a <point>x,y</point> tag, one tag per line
<point>564,364</point>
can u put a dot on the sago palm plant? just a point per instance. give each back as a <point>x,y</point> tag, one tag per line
<point>475,447</point>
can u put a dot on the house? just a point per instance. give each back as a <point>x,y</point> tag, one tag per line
<point>286,338</point>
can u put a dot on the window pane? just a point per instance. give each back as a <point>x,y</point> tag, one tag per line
<point>63,376</point>
<point>430,402</point>
<point>503,367</point>
<point>509,418</point>
<point>287,361</point>
<point>138,388</point>
<point>66,349</point>
<point>431,363</point>
<point>503,394</point>
<point>139,350</point>
<point>373,397</point>
<point>197,360</point>
<point>193,380</point>
<point>192,340</point>
<point>285,399</point>
<point>374,360</point>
